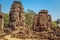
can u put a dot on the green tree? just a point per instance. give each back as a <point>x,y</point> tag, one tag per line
<point>54,23</point>
<point>29,17</point>
<point>6,20</point>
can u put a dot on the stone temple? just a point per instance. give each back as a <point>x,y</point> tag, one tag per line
<point>42,21</point>
<point>42,28</point>
<point>17,18</point>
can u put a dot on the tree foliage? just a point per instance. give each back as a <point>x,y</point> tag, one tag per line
<point>29,17</point>
<point>54,23</point>
<point>6,20</point>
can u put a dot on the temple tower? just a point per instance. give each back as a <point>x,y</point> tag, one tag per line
<point>42,21</point>
<point>17,16</point>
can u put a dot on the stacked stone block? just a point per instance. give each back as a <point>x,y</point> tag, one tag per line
<point>42,21</point>
<point>42,25</point>
<point>17,17</point>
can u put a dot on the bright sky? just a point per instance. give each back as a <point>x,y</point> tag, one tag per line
<point>53,6</point>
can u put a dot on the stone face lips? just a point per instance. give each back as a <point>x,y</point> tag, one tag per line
<point>42,21</point>
<point>17,17</point>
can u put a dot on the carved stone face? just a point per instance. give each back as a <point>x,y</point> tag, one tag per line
<point>43,21</point>
<point>43,26</point>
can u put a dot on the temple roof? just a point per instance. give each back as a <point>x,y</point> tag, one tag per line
<point>43,11</point>
<point>17,2</point>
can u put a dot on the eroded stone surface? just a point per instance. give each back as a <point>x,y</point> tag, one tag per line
<point>17,17</point>
<point>41,30</point>
<point>42,21</point>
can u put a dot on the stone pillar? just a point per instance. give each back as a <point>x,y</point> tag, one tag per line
<point>17,16</point>
<point>1,20</point>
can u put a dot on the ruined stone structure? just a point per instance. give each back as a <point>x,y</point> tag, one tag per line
<point>41,29</point>
<point>42,21</point>
<point>17,20</point>
<point>17,17</point>
<point>42,25</point>
<point>1,20</point>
